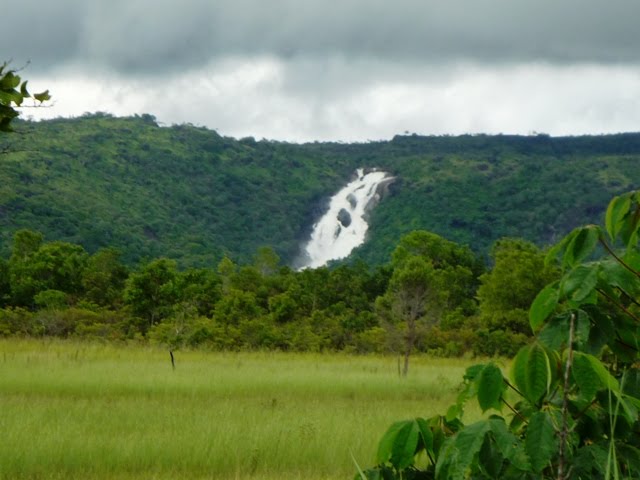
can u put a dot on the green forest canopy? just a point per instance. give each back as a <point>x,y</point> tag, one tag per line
<point>192,195</point>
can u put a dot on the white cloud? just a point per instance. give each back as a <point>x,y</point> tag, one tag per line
<point>349,70</point>
<point>333,99</point>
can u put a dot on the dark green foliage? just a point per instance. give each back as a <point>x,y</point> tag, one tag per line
<point>189,194</point>
<point>35,267</point>
<point>506,292</point>
<point>151,292</point>
<point>572,402</point>
<point>104,277</point>
<point>431,276</point>
<point>424,297</point>
<point>13,92</point>
<point>5,283</point>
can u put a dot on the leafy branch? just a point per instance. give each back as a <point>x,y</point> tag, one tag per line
<point>574,419</point>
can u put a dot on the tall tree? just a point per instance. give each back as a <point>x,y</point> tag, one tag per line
<point>414,297</point>
<point>457,263</point>
<point>151,292</point>
<point>104,278</point>
<point>506,292</point>
<point>35,267</point>
<point>431,275</point>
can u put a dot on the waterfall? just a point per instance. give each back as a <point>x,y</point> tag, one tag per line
<point>344,226</point>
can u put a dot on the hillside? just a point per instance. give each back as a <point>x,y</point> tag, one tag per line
<point>190,194</point>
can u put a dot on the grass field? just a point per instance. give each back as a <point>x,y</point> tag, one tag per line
<point>88,411</point>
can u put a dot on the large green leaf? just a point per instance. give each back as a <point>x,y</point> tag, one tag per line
<point>584,377</point>
<point>459,451</point>
<point>629,229</point>
<point>608,381</point>
<point>23,89</point>
<point>559,247</point>
<point>509,445</point>
<point>399,444</point>
<point>580,282</point>
<point>490,387</point>
<point>590,375</point>
<point>404,446</point>
<point>601,332</point>
<point>9,81</point>
<point>426,436</point>
<point>581,245</point>
<point>631,384</point>
<point>626,406</point>
<point>632,258</point>
<point>541,442</point>
<point>385,447</point>
<point>42,96</point>
<point>532,372</point>
<point>613,274</point>
<point>589,460</point>
<point>555,333</point>
<point>616,211</point>
<point>543,305</point>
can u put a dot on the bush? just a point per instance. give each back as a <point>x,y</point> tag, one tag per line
<point>498,343</point>
<point>573,395</point>
<point>16,321</point>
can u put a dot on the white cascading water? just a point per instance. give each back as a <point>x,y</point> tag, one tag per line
<point>343,227</point>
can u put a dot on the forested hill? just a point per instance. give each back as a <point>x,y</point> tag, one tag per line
<point>188,193</point>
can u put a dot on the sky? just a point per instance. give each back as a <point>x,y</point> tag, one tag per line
<point>341,70</point>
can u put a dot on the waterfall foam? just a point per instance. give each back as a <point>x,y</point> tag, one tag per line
<point>344,227</point>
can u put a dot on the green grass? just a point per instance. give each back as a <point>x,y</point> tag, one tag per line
<point>87,411</point>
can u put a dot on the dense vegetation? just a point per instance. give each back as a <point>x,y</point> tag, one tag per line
<point>189,194</point>
<point>423,299</point>
<point>569,409</point>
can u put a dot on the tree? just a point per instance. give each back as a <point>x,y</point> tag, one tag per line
<point>104,278</point>
<point>506,292</point>
<point>199,289</point>
<point>430,275</point>
<point>25,244</point>
<point>35,267</point>
<point>414,296</point>
<point>13,92</point>
<point>151,292</point>
<point>266,260</point>
<point>226,270</point>
<point>457,263</point>
<point>570,407</point>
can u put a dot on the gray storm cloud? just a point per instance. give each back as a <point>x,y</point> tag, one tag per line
<point>336,69</point>
<point>164,35</point>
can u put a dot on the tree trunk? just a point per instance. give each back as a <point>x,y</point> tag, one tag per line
<point>411,340</point>
<point>405,369</point>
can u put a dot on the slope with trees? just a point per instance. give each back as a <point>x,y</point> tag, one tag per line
<point>195,196</point>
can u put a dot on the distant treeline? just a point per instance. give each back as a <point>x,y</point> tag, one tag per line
<point>190,194</point>
<point>432,295</point>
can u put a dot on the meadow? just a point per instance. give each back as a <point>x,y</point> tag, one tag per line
<point>71,410</point>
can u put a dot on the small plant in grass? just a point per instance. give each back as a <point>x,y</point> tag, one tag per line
<point>569,408</point>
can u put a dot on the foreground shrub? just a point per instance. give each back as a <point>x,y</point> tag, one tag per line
<point>569,409</point>
<point>15,321</point>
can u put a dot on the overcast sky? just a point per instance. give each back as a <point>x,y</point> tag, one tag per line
<point>303,70</point>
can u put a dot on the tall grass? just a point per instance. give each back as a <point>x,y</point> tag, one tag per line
<point>89,411</point>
